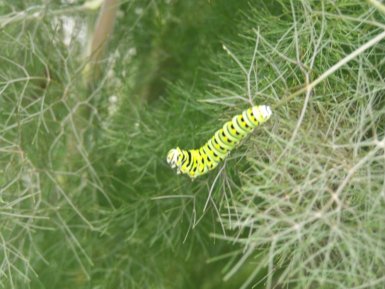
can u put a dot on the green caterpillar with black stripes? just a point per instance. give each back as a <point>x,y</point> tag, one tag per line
<point>196,162</point>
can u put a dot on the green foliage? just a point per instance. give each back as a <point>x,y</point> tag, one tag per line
<point>87,199</point>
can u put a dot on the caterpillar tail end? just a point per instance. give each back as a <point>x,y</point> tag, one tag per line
<point>172,157</point>
<point>265,110</point>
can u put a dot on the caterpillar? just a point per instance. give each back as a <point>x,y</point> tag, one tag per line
<point>196,162</point>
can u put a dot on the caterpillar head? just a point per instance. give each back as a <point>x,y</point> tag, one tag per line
<point>174,157</point>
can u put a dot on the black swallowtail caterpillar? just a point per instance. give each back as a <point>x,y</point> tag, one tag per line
<point>197,162</point>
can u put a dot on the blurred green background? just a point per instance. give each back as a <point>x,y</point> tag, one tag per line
<point>87,199</point>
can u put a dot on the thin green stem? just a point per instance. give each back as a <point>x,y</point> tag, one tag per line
<point>333,69</point>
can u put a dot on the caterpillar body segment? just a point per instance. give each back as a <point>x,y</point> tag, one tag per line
<point>196,162</point>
